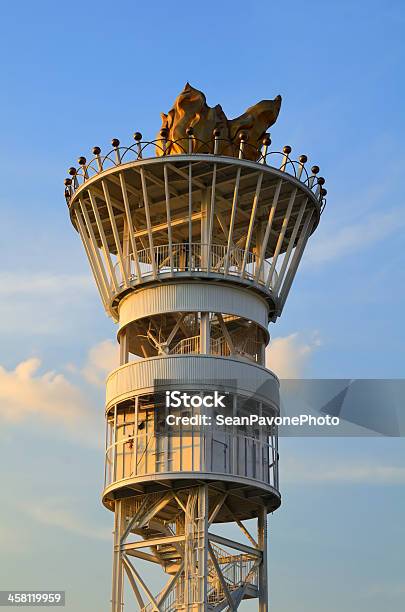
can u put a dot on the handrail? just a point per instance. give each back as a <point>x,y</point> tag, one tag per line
<point>181,259</point>
<point>139,151</point>
<point>249,348</point>
<point>126,451</point>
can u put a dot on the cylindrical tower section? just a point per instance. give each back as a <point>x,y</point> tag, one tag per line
<point>205,340</point>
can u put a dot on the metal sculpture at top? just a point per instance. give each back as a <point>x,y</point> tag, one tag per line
<point>191,110</point>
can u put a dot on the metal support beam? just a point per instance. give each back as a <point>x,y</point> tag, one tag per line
<point>118,577</point>
<point>263,578</point>
<point>232,221</point>
<point>295,262</point>
<point>268,229</point>
<point>131,230</point>
<point>213,537</point>
<point>148,221</point>
<point>105,249</point>
<point>251,223</point>
<point>205,340</point>
<point>114,228</point>
<point>281,237</point>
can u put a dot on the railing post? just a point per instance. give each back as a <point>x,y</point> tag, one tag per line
<point>116,143</point>
<point>286,150</point>
<point>164,133</point>
<point>68,189</point>
<point>82,162</point>
<point>138,138</point>
<point>302,161</point>
<point>73,173</point>
<point>319,187</point>
<point>96,152</point>
<point>242,138</point>
<point>314,170</point>
<point>216,134</point>
<point>266,143</point>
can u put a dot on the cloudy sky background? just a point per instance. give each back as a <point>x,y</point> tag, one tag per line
<point>76,76</point>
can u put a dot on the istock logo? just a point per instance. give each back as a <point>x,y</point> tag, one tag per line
<point>177,399</point>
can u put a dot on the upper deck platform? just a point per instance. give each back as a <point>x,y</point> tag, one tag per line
<point>145,216</point>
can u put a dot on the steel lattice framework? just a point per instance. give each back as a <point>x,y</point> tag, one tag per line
<point>193,254</point>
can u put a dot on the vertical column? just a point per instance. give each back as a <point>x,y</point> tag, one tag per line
<point>235,438</point>
<point>118,575</point>
<point>124,353</point>
<point>202,548</point>
<point>259,255</point>
<point>125,250</point>
<point>205,339</point>
<point>263,578</point>
<point>205,222</point>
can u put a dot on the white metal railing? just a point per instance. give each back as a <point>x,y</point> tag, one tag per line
<point>219,347</point>
<point>237,570</point>
<point>197,257</point>
<point>139,455</point>
<point>144,150</point>
<point>187,346</point>
<point>243,347</point>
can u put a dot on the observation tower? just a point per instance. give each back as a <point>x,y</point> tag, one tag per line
<point>193,240</point>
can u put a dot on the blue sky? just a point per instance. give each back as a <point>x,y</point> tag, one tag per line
<point>75,76</point>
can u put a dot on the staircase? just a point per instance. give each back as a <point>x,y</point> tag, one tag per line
<point>240,576</point>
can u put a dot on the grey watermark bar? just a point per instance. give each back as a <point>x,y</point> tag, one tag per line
<point>364,407</point>
<point>32,598</point>
<point>297,407</point>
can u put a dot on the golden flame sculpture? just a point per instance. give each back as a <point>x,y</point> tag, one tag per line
<point>190,110</point>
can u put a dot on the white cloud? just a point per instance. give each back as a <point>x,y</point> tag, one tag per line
<point>102,358</point>
<point>60,513</point>
<point>51,398</point>
<point>41,284</point>
<point>288,356</point>
<point>335,471</point>
<point>326,246</point>
<point>44,304</point>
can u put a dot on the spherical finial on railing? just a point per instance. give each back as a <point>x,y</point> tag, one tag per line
<point>216,132</point>
<point>266,140</point>
<point>67,181</point>
<point>96,150</point>
<point>72,171</point>
<point>164,132</point>
<point>287,149</point>
<point>81,161</point>
<point>315,169</point>
<point>115,143</point>
<point>303,159</point>
<point>137,136</point>
<point>324,192</point>
<point>321,180</point>
<point>189,131</point>
<point>243,136</point>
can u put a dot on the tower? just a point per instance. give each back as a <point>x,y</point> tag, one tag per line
<point>193,240</point>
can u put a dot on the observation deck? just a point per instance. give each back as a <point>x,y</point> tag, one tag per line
<point>198,214</point>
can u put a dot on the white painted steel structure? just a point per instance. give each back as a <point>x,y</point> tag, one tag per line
<point>193,255</point>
